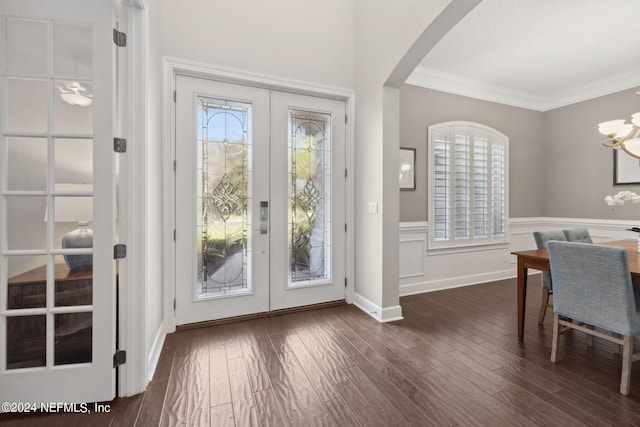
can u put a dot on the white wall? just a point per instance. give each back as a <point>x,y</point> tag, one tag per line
<point>384,35</point>
<point>304,40</point>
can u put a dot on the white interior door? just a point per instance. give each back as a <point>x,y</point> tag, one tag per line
<point>57,186</point>
<point>259,211</point>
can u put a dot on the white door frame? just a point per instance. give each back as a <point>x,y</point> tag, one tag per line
<point>135,374</point>
<point>173,67</point>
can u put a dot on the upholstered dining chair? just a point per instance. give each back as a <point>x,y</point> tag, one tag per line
<point>577,235</point>
<point>592,285</point>
<point>542,238</point>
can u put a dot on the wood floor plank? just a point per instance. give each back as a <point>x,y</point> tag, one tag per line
<point>292,385</point>
<point>219,386</point>
<point>198,400</point>
<point>319,380</point>
<point>244,408</point>
<point>267,409</point>
<point>126,411</point>
<point>152,405</point>
<point>359,405</point>
<point>342,415</point>
<point>222,415</point>
<point>174,411</point>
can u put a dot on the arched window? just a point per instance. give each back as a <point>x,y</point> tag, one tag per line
<point>468,185</point>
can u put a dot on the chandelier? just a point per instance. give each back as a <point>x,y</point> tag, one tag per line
<point>622,135</point>
<point>73,93</point>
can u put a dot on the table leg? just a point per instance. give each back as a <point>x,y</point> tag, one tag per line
<point>522,295</point>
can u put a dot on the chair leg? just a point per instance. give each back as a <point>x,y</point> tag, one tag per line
<point>543,305</point>
<point>627,352</point>
<point>556,337</point>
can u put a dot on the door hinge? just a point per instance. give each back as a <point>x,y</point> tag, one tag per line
<point>345,173</point>
<point>345,227</point>
<point>345,119</point>
<point>119,38</point>
<point>119,145</point>
<point>119,358</point>
<point>119,251</point>
<point>174,304</point>
<point>345,282</point>
<point>174,165</point>
<point>174,234</point>
<point>175,96</point>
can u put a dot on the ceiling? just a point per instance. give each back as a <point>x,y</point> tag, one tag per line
<point>538,54</point>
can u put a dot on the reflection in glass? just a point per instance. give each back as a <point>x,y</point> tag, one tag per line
<point>309,196</point>
<point>72,287</point>
<point>27,164</point>
<point>73,110</point>
<point>25,222</point>
<point>73,333</point>
<point>73,161</point>
<point>27,284</point>
<point>26,341</point>
<point>73,217</point>
<point>223,196</point>
<point>27,105</point>
<point>73,50</point>
<point>26,47</point>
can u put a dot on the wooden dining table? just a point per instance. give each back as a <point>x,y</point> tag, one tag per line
<point>538,259</point>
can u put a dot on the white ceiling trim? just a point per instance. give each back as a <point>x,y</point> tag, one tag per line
<point>445,82</point>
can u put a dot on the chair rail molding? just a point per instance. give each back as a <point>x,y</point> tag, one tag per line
<point>424,270</point>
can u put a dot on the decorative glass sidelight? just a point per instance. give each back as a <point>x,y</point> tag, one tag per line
<point>223,195</point>
<point>309,197</point>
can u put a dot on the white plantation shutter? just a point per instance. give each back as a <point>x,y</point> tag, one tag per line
<point>468,185</point>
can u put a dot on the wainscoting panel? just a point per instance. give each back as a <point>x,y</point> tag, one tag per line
<point>422,270</point>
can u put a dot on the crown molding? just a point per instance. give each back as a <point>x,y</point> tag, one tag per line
<point>445,82</point>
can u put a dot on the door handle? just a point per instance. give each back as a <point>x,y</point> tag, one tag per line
<point>264,217</point>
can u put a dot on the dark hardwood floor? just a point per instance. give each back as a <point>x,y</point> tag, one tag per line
<point>454,360</point>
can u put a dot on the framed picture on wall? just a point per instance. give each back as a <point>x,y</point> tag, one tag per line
<point>407,168</point>
<point>626,168</point>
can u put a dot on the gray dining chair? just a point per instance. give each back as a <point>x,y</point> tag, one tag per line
<point>542,238</point>
<point>592,285</point>
<point>577,235</point>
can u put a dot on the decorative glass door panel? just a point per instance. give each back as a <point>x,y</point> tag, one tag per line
<point>57,283</point>
<point>309,197</point>
<point>224,226</point>
<point>256,200</point>
<point>222,259</point>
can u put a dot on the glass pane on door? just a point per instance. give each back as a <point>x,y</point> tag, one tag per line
<point>223,193</point>
<point>309,198</point>
<point>45,237</point>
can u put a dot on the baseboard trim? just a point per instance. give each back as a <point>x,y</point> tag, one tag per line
<point>154,354</point>
<point>457,282</point>
<point>383,315</point>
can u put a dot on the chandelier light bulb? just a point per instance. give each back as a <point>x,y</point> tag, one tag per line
<point>611,127</point>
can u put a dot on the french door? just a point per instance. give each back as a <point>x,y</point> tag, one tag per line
<point>260,200</point>
<point>57,187</point>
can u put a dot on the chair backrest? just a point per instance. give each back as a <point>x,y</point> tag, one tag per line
<point>578,235</point>
<point>592,284</point>
<point>542,238</point>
